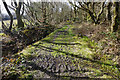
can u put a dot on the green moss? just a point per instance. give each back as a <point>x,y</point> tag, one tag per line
<point>105,76</point>
<point>26,76</point>
<point>28,50</point>
<point>2,34</point>
<point>83,47</point>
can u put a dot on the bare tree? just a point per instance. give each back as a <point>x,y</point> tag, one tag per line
<point>19,15</point>
<point>17,8</point>
<point>89,7</point>
<point>10,14</point>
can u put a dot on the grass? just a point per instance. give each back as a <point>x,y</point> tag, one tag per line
<point>8,22</point>
<point>82,48</point>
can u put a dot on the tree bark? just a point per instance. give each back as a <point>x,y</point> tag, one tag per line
<point>115,20</point>
<point>109,11</point>
<point>75,13</point>
<point>19,16</point>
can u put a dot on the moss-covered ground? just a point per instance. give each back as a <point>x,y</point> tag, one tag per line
<point>67,55</point>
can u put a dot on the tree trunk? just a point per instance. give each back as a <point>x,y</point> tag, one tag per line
<point>75,13</point>
<point>19,16</point>
<point>115,20</point>
<point>44,12</point>
<point>108,11</point>
<point>11,17</point>
<point>92,17</point>
<point>19,21</point>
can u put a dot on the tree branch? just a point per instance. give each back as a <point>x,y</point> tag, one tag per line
<point>23,10</point>
<point>11,7</point>
<point>101,11</point>
<point>15,2</point>
<point>8,11</point>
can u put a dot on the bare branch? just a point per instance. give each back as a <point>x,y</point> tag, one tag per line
<point>11,7</point>
<point>15,2</point>
<point>23,10</point>
<point>101,11</point>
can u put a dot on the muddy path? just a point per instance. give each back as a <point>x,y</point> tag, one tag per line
<point>63,55</point>
<point>50,65</point>
<point>58,66</point>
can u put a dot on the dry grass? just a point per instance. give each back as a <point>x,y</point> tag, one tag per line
<point>7,22</point>
<point>101,34</point>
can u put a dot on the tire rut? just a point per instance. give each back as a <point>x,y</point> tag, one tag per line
<point>59,65</point>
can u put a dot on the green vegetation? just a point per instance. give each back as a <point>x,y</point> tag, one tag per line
<point>70,40</point>
<point>8,22</point>
<point>83,49</point>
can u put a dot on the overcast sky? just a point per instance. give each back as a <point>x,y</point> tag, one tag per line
<point>3,10</point>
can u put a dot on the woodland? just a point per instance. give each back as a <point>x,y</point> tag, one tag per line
<point>75,39</point>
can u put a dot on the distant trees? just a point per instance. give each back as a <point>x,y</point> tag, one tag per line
<point>38,13</point>
<point>48,12</point>
<point>96,10</point>
<point>5,17</point>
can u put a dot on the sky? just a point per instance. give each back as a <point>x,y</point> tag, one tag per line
<point>3,10</point>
